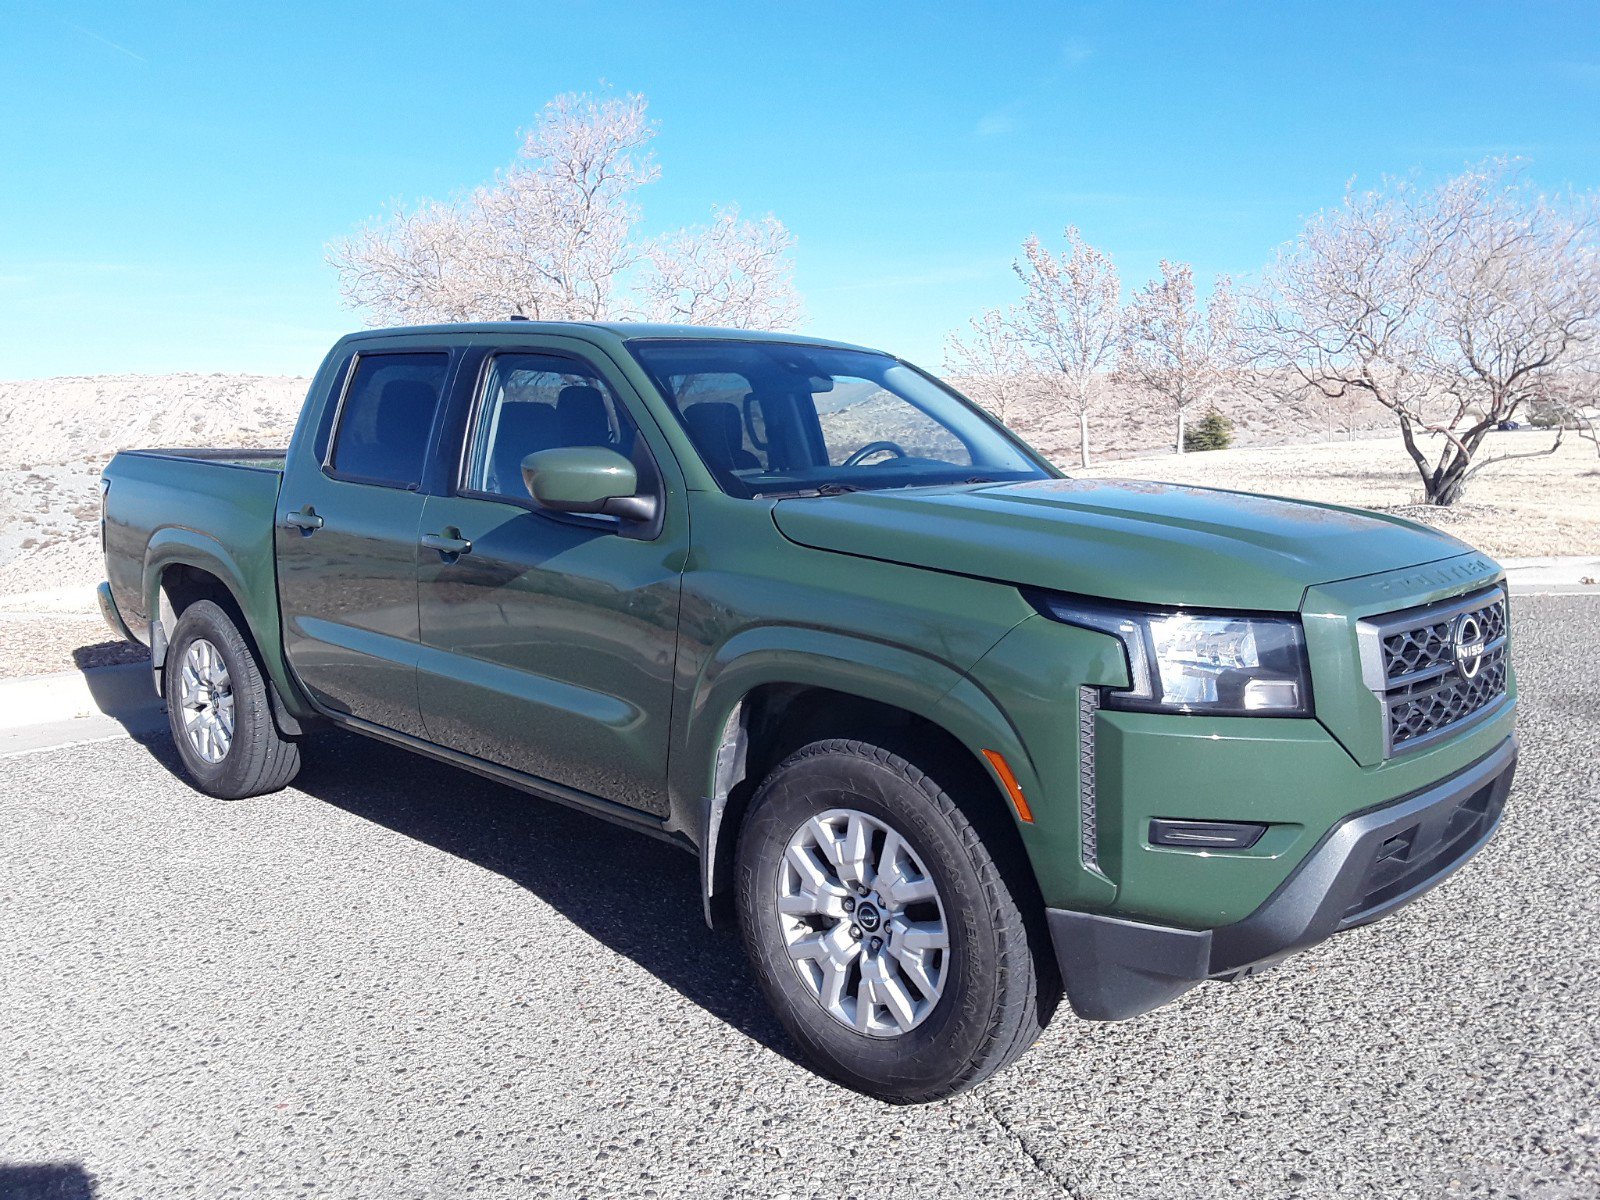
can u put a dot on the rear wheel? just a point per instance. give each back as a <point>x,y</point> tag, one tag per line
<point>219,709</point>
<point>881,927</point>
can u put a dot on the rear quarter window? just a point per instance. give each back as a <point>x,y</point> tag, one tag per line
<point>381,432</point>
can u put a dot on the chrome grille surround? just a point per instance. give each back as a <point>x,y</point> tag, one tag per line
<point>1409,662</point>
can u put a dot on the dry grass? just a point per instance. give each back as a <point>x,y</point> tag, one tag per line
<point>1524,508</point>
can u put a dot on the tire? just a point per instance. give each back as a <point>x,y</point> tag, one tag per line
<point>987,1003</point>
<point>219,710</point>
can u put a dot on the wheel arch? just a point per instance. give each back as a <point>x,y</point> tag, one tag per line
<point>767,700</point>
<point>182,567</point>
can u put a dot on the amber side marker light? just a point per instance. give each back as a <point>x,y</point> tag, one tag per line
<point>1013,788</point>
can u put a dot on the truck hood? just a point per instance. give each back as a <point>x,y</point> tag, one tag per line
<point>1119,539</point>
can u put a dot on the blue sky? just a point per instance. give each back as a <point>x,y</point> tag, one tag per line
<point>170,173</point>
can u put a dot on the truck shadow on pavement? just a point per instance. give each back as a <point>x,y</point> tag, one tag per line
<point>45,1181</point>
<point>634,894</point>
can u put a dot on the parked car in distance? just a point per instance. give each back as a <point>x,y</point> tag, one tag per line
<point>950,734</point>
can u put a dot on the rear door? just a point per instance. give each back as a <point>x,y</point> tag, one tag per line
<point>549,639</point>
<point>349,514</point>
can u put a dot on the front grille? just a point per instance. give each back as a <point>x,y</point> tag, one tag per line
<point>1420,665</point>
<point>1416,650</point>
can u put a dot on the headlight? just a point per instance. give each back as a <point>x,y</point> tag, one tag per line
<point>1200,662</point>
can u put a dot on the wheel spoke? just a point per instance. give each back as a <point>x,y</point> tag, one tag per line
<point>888,865</point>
<point>809,947</point>
<point>801,860</point>
<point>835,977</point>
<point>889,991</point>
<point>913,966</point>
<point>910,891</point>
<point>866,1002</point>
<point>924,935</point>
<point>824,900</point>
<point>857,844</point>
<point>822,837</point>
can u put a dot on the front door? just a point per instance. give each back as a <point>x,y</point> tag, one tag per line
<point>548,639</point>
<point>348,521</point>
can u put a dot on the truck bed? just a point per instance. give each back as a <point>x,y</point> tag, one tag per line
<point>219,502</point>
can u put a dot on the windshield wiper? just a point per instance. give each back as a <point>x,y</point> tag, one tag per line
<point>823,489</point>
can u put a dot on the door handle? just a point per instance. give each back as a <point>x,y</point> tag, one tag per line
<point>305,520</point>
<point>449,544</point>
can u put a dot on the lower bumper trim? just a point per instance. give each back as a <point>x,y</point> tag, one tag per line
<point>1364,868</point>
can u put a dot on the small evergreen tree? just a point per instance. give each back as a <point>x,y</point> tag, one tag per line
<point>1212,432</point>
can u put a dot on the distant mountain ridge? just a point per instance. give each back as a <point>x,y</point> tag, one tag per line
<point>56,434</point>
<point>77,417</point>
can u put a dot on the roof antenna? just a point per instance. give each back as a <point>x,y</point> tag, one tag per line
<point>518,317</point>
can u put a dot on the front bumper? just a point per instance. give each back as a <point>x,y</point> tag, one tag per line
<point>1365,867</point>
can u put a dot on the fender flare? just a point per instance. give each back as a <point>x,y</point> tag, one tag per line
<point>178,546</point>
<point>715,740</point>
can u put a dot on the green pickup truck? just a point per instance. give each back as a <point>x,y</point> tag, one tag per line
<point>951,734</point>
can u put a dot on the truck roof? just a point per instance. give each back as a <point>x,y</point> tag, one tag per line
<point>626,331</point>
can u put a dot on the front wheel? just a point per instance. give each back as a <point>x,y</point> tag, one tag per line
<point>881,927</point>
<point>219,710</point>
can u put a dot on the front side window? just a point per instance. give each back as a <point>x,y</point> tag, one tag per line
<point>386,418</point>
<point>769,418</point>
<point>533,402</point>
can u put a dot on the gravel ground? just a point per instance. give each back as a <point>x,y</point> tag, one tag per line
<point>42,643</point>
<point>398,980</point>
<point>1521,508</point>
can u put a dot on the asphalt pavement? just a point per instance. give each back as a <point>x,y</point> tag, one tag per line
<point>398,980</point>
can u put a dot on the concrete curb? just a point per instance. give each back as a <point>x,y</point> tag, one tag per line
<point>123,693</point>
<point>1562,575</point>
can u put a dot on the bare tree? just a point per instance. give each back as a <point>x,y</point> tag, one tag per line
<point>736,273</point>
<point>1571,400</point>
<point>1448,306</point>
<point>1176,348</point>
<point>1587,422</point>
<point>1071,322</point>
<point>553,238</point>
<point>1521,300</point>
<point>991,362</point>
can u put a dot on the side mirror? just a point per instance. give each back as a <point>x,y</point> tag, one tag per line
<point>586,479</point>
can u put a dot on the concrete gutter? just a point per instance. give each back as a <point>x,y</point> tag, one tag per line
<point>45,711</point>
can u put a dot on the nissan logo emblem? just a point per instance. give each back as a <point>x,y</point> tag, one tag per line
<point>1467,645</point>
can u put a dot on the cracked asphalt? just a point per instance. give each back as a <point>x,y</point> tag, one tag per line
<point>398,980</point>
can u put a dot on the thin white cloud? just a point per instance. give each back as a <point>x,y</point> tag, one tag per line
<point>105,41</point>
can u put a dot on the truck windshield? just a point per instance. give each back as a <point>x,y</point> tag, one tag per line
<point>772,419</point>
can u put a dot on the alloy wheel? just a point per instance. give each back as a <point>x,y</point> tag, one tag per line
<point>863,923</point>
<point>205,694</point>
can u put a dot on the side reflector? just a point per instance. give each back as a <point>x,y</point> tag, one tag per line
<point>1013,789</point>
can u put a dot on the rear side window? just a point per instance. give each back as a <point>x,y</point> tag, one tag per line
<point>382,435</point>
